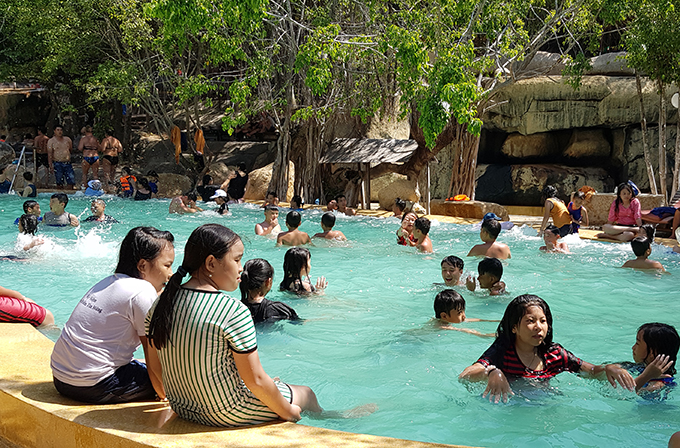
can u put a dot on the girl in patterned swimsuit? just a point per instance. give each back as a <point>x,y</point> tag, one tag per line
<point>207,344</point>
<point>524,349</point>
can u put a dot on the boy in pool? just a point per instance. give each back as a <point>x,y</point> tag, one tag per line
<point>184,204</point>
<point>449,308</point>
<point>452,270</point>
<point>98,207</point>
<point>327,223</point>
<point>342,205</point>
<point>270,225</point>
<point>57,216</point>
<point>490,273</point>
<point>293,237</point>
<point>491,228</point>
<point>31,207</point>
<point>271,199</point>
<point>420,230</point>
<point>551,235</point>
<point>642,248</point>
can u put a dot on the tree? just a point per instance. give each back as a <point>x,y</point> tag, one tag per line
<point>653,46</point>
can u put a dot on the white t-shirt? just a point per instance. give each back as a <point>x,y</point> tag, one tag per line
<point>103,331</point>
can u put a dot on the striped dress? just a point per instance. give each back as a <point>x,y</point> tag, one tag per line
<point>199,373</point>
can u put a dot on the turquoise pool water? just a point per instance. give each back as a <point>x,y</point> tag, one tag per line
<point>368,339</point>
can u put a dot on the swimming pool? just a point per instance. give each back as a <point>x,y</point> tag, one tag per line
<point>367,338</point>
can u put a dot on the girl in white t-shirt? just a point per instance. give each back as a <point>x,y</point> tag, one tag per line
<point>93,360</point>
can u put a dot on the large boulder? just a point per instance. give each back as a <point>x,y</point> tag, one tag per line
<point>587,143</point>
<point>171,185</point>
<point>402,188</point>
<point>523,184</point>
<point>548,103</point>
<point>258,183</point>
<point>467,209</point>
<point>599,204</point>
<point>521,146</point>
<point>219,172</point>
<point>384,181</point>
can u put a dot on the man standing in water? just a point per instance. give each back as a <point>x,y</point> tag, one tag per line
<point>59,158</point>
<point>41,159</point>
<point>110,148</point>
<point>89,145</point>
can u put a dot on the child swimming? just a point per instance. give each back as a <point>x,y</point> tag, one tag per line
<point>256,281</point>
<point>293,237</point>
<point>524,348</point>
<point>656,352</point>
<point>452,270</point>
<point>490,272</point>
<point>449,307</point>
<point>28,224</point>
<point>296,267</point>
<point>624,215</point>
<point>270,225</point>
<point>551,236</point>
<point>405,232</point>
<point>642,248</point>
<point>488,233</point>
<point>327,223</point>
<point>421,227</point>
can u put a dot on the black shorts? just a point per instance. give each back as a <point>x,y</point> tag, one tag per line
<point>112,160</point>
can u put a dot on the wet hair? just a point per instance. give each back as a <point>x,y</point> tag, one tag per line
<point>553,229</point>
<point>549,191</point>
<point>241,166</point>
<point>293,219</point>
<point>618,200</point>
<point>650,231</point>
<point>446,301</point>
<point>454,261</point>
<point>126,170</point>
<point>207,179</point>
<point>298,200</point>
<point>152,173</point>
<point>640,245</point>
<point>271,193</point>
<point>42,129</point>
<point>271,208</point>
<point>400,203</point>
<point>255,274</point>
<point>328,219</point>
<point>29,223</point>
<point>192,196</point>
<point>28,176</point>
<point>108,132</point>
<point>141,243</point>
<point>29,204</point>
<point>206,240</point>
<point>294,261</point>
<point>578,195</point>
<point>98,201</point>
<point>61,197</point>
<point>661,339</point>
<point>422,224</point>
<point>337,198</point>
<point>491,266</point>
<point>144,182</point>
<point>513,315</point>
<point>492,227</point>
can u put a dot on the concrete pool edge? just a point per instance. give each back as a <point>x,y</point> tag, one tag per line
<point>34,415</point>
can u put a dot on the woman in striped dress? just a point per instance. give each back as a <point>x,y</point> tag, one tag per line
<point>207,345</point>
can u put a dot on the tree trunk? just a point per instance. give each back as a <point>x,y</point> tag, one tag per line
<point>465,163</point>
<point>279,181</point>
<point>309,172</point>
<point>645,145</point>
<point>662,141</point>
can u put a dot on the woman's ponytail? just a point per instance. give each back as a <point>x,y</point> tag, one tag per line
<point>160,325</point>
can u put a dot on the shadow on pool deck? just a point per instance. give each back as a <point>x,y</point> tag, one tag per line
<point>33,414</point>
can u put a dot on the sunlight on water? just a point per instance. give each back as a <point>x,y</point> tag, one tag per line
<point>368,339</point>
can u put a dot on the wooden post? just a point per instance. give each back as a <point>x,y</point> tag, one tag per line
<point>363,187</point>
<point>368,183</point>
